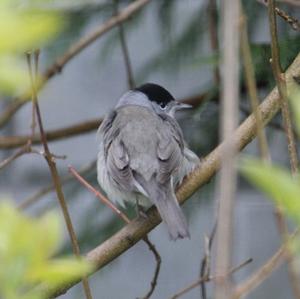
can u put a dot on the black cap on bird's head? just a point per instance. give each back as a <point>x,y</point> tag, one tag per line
<point>159,95</point>
<point>156,93</point>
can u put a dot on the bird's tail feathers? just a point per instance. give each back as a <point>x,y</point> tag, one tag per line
<point>163,197</point>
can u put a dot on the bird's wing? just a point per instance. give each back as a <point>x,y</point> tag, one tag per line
<point>170,149</point>
<point>115,153</point>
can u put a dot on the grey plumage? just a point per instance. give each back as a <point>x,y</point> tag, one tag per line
<point>142,156</point>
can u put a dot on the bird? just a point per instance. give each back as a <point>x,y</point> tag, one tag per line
<point>142,155</point>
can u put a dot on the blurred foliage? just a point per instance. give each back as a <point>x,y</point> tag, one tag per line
<point>277,182</point>
<point>27,247</point>
<point>22,28</point>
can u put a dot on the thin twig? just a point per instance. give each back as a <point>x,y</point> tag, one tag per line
<point>120,214</point>
<point>27,202</point>
<point>229,121</point>
<point>124,48</point>
<point>23,150</point>
<point>293,22</point>
<point>157,257</point>
<point>281,84</point>
<point>264,149</point>
<point>99,195</point>
<point>209,278</point>
<point>74,49</point>
<point>213,34</point>
<point>263,272</point>
<point>205,263</point>
<point>54,173</point>
<point>129,235</point>
<point>292,149</point>
<point>8,142</point>
<point>251,86</point>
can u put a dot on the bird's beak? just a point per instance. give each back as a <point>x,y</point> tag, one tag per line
<point>180,106</point>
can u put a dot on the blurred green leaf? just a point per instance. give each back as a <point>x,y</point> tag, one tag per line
<point>58,272</point>
<point>276,182</point>
<point>26,248</point>
<point>13,74</point>
<point>22,28</point>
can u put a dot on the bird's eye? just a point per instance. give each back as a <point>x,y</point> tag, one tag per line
<point>163,106</point>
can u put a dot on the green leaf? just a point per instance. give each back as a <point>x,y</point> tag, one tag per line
<point>58,272</point>
<point>23,30</point>
<point>26,248</point>
<point>276,182</point>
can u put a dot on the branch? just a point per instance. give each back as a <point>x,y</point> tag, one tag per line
<point>124,48</point>
<point>53,170</point>
<point>227,181</point>
<point>121,215</point>
<point>251,87</point>
<point>8,142</point>
<point>281,84</point>
<point>75,49</point>
<point>205,279</point>
<point>293,22</point>
<point>27,202</point>
<point>129,235</point>
<point>262,273</point>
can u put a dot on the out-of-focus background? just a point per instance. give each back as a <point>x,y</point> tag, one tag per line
<point>169,43</point>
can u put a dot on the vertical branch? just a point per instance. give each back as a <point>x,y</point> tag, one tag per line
<point>229,120</point>
<point>281,84</point>
<point>53,170</point>
<point>124,47</point>
<point>264,150</point>
<point>213,33</point>
<point>251,86</point>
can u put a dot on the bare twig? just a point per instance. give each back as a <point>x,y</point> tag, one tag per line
<point>157,257</point>
<point>75,49</point>
<point>213,33</point>
<point>27,202</point>
<point>7,142</point>
<point>229,120</point>
<point>120,214</point>
<point>251,86</point>
<point>281,84</point>
<point>205,263</point>
<point>262,273</point>
<point>124,47</point>
<point>293,22</point>
<point>208,278</point>
<point>100,196</point>
<point>264,150</point>
<point>23,150</point>
<point>54,172</point>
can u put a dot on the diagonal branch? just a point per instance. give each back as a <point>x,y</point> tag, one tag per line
<point>139,227</point>
<point>262,273</point>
